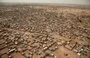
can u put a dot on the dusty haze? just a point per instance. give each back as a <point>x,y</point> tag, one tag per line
<point>81,2</point>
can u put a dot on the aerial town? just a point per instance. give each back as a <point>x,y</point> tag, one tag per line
<point>35,31</point>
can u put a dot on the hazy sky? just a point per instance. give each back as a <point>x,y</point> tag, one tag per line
<point>85,2</point>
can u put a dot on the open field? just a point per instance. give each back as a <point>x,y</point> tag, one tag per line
<point>32,31</point>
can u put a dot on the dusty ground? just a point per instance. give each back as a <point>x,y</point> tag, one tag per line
<point>44,32</point>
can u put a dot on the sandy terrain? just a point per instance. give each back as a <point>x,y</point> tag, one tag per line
<point>44,32</point>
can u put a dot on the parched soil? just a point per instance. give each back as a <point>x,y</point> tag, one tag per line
<point>44,32</point>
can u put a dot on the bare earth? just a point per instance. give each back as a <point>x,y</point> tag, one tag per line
<point>44,32</point>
